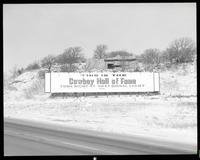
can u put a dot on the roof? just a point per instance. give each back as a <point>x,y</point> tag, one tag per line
<point>120,58</point>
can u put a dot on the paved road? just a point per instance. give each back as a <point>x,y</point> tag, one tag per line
<point>31,138</point>
<point>20,146</point>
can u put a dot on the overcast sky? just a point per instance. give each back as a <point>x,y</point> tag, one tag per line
<point>33,31</point>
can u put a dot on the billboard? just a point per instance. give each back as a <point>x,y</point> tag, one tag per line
<point>62,82</point>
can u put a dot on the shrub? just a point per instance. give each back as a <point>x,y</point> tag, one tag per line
<point>151,58</point>
<point>181,50</point>
<point>41,74</point>
<point>48,62</point>
<point>14,72</point>
<point>33,66</point>
<point>68,68</point>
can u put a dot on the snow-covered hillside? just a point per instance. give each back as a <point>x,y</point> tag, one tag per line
<point>179,81</point>
<point>24,86</point>
<point>171,115</point>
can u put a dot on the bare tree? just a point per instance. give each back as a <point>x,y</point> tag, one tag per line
<point>14,71</point>
<point>181,50</point>
<point>48,62</point>
<point>89,65</point>
<point>151,58</point>
<point>33,66</point>
<point>70,56</point>
<point>100,51</point>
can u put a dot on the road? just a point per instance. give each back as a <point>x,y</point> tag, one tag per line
<point>32,138</point>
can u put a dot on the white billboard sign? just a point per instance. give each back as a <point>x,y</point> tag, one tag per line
<point>62,82</point>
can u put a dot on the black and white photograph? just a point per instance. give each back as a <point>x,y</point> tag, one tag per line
<point>99,79</point>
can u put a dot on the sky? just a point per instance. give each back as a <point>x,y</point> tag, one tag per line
<point>33,31</point>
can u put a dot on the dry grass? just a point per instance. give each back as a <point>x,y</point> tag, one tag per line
<point>36,88</point>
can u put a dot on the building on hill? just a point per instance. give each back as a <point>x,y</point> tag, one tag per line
<point>119,63</point>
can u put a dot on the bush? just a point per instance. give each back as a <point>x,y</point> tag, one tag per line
<point>41,74</point>
<point>151,58</point>
<point>48,62</point>
<point>15,72</point>
<point>68,68</point>
<point>181,51</point>
<point>20,71</point>
<point>33,66</point>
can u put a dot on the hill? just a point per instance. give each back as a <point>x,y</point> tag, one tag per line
<point>172,115</point>
<point>178,80</point>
